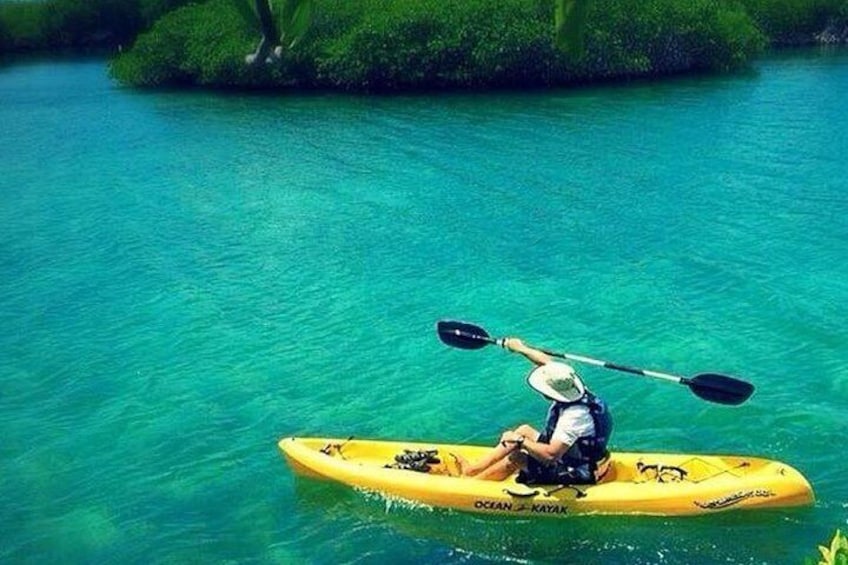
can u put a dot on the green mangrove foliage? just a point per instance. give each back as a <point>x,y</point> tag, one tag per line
<point>295,16</point>
<point>796,22</point>
<point>60,24</point>
<point>411,44</point>
<point>194,45</point>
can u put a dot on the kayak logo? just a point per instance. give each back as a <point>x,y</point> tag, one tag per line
<point>492,505</point>
<point>548,509</point>
<point>735,498</point>
<point>535,508</point>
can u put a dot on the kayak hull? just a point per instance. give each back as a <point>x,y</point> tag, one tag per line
<point>660,484</point>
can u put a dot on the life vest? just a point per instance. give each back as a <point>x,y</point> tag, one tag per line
<point>587,449</point>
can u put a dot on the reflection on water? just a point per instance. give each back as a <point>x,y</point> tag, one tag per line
<point>584,539</point>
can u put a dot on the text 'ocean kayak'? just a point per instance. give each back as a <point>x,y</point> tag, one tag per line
<point>636,483</point>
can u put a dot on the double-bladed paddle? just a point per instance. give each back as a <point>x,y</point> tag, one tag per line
<point>709,386</point>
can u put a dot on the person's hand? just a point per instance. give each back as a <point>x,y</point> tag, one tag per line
<point>513,344</point>
<point>510,438</point>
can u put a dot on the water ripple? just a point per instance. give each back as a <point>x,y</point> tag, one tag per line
<point>175,306</point>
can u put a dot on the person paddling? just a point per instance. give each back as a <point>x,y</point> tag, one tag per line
<point>572,447</point>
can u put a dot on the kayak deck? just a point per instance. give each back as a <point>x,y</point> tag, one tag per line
<point>636,483</point>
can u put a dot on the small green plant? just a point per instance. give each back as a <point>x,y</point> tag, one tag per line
<point>836,554</point>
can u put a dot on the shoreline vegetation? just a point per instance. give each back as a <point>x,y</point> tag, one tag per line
<point>403,45</point>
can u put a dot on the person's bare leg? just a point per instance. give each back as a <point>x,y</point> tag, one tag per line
<point>498,454</point>
<point>503,468</point>
<point>468,469</point>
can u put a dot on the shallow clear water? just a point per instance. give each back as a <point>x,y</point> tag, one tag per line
<point>187,277</point>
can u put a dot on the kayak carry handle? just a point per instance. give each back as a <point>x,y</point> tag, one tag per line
<point>526,494</point>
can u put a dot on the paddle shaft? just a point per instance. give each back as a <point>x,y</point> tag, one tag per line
<point>582,359</point>
<point>616,367</point>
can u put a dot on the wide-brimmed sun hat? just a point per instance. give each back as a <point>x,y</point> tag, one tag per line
<point>557,381</point>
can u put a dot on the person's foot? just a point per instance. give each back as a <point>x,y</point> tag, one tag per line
<point>462,465</point>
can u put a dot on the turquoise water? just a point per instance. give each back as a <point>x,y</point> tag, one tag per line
<point>187,277</point>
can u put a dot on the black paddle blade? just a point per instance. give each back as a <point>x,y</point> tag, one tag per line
<point>720,388</point>
<point>463,335</point>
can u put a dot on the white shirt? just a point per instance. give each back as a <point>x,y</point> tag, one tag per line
<point>574,422</point>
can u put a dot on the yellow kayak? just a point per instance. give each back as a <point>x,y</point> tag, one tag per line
<point>635,483</point>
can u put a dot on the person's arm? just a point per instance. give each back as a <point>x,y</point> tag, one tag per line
<point>544,452</point>
<point>533,355</point>
<point>573,423</point>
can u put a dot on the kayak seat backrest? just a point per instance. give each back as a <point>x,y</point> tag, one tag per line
<point>606,472</point>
